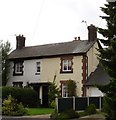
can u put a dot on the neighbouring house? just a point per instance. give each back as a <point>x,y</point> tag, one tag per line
<point>97,78</point>
<point>37,65</point>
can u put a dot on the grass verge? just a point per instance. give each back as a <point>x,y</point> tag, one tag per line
<point>39,111</point>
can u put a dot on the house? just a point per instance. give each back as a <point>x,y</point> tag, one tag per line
<point>37,65</point>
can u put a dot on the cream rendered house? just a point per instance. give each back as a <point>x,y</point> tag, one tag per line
<point>37,65</point>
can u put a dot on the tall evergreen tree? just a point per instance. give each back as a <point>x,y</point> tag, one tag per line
<point>4,51</point>
<point>110,17</point>
<point>107,58</point>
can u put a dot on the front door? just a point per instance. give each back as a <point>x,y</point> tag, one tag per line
<point>45,102</point>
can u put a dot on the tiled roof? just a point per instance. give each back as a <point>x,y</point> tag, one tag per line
<point>98,77</point>
<point>72,47</point>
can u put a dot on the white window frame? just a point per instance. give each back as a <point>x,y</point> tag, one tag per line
<point>38,67</point>
<point>67,65</point>
<point>65,92</point>
<point>18,68</point>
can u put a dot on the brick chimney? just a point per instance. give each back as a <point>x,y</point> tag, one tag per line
<point>92,33</point>
<point>20,41</point>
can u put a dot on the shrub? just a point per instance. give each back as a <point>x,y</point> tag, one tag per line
<point>53,104</point>
<point>91,109</point>
<point>27,96</point>
<point>12,108</point>
<point>53,91</point>
<point>71,85</point>
<point>54,115</point>
<point>67,114</point>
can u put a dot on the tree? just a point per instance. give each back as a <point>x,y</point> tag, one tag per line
<point>110,17</point>
<point>5,49</point>
<point>0,64</point>
<point>107,57</point>
<point>53,92</point>
<point>71,86</point>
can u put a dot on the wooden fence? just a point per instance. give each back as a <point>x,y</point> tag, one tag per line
<point>78,103</point>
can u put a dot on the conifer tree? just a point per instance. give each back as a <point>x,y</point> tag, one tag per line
<point>107,59</point>
<point>110,17</point>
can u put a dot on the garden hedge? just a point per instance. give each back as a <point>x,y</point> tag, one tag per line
<point>27,96</point>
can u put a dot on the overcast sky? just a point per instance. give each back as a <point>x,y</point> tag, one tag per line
<point>48,21</point>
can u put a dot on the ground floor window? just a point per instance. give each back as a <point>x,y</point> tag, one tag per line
<point>65,92</point>
<point>17,84</point>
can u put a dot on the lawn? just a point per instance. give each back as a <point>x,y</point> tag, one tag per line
<point>39,111</point>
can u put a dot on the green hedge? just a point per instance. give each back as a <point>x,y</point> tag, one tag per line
<point>27,96</point>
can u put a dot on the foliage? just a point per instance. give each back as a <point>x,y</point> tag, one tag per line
<point>110,100</point>
<point>27,96</point>
<point>12,108</point>
<point>67,114</point>
<point>53,91</point>
<point>107,58</point>
<point>53,104</point>
<point>110,17</point>
<point>4,51</point>
<point>91,109</point>
<point>71,85</point>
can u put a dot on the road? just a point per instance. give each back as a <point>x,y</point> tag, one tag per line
<point>23,118</point>
<point>36,117</point>
<point>47,117</point>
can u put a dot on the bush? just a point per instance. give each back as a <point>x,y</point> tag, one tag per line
<point>71,85</point>
<point>67,114</point>
<point>11,108</point>
<point>53,104</point>
<point>91,109</point>
<point>27,96</point>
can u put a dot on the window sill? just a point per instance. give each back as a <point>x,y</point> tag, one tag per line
<point>18,74</point>
<point>37,73</point>
<point>66,72</point>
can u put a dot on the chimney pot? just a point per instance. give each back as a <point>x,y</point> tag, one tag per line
<point>75,38</point>
<point>79,38</point>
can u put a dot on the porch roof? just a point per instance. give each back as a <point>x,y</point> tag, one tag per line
<point>38,83</point>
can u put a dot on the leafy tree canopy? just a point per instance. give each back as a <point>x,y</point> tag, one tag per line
<point>4,51</point>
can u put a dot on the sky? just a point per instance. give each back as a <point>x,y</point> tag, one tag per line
<point>48,21</point>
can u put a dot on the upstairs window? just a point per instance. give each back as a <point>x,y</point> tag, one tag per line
<point>38,69</point>
<point>18,68</point>
<point>66,65</point>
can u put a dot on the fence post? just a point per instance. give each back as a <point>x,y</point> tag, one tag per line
<point>73,102</point>
<point>56,104</point>
<point>88,101</point>
<point>100,102</point>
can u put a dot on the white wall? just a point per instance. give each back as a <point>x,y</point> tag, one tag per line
<point>28,75</point>
<point>93,91</point>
